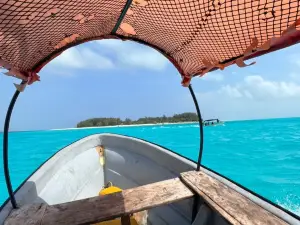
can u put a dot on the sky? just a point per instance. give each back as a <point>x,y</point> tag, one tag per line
<point>114,78</point>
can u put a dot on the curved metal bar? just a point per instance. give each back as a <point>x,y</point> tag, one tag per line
<point>5,149</point>
<point>200,126</point>
<point>196,200</point>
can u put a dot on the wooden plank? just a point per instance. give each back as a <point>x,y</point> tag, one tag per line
<point>101,208</point>
<point>233,206</point>
<point>31,213</point>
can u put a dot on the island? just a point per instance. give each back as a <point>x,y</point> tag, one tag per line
<point>110,121</point>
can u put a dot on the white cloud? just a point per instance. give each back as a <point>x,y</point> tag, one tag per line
<point>255,87</point>
<point>254,97</point>
<point>135,55</point>
<point>231,91</point>
<point>213,76</point>
<point>84,58</point>
<point>117,54</point>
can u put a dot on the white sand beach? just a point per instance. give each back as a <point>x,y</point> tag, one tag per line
<point>131,125</point>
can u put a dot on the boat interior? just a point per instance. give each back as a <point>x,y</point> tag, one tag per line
<point>158,187</point>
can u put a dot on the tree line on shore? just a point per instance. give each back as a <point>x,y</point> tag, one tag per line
<point>109,121</point>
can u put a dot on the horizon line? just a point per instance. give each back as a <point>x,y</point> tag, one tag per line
<point>132,125</point>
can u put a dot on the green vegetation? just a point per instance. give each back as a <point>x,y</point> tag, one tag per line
<point>97,122</point>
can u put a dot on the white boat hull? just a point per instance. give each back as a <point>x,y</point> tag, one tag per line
<point>76,173</point>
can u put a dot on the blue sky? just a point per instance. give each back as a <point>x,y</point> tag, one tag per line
<point>112,78</point>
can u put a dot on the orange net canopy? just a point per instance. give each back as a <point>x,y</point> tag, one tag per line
<point>197,36</point>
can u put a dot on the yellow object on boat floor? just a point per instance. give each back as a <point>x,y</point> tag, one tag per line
<point>110,190</point>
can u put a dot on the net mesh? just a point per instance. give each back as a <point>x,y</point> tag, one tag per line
<point>31,29</point>
<point>188,32</point>
<point>192,30</point>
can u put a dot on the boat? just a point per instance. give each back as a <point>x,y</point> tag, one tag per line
<point>113,179</point>
<point>212,122</point>
<point>79,171</point>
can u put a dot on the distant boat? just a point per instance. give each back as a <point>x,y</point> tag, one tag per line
<point>212,122</point>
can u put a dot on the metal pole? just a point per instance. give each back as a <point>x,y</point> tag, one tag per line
<point>5,149</point>
<point>200,126</point>
<point>121,17</point>
<point>196,200</point>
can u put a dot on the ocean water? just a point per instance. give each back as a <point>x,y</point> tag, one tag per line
<point>262,155</point>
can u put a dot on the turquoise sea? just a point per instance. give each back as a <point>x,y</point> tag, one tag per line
<point>262,155</point>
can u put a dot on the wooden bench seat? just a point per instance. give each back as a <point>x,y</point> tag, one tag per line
<point>102,208</point>
<point>231,205</point>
